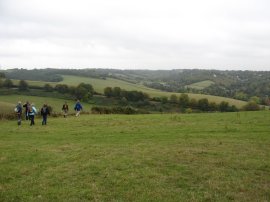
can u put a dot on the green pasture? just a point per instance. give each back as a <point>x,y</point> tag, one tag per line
<point>6,107</point>
<point>100,84</point>
<point>34,83</point>
<point>165,157</point>
<point>8,102</point>
<point>201,85</point>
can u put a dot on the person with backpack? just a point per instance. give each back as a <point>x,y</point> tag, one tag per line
<point>65,109</point>
<point>32,112</point>
<point>27,108</point>
<point>78,108</point>
<point>18,110</point>
<point>44,113</point>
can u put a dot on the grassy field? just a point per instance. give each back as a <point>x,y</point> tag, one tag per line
<point>169,157</point>
<point>100,84</point>
<point>201,85</point>
<point>8,102</point>
<point>34,83</point>
<point>6,107</point>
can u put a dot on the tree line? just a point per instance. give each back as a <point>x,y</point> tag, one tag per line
<point>85,92</point>
<point>50,75</point>
<point>133,95</point>
<point>183,102</point>
<point>240,85</point>
<point>82,92</point>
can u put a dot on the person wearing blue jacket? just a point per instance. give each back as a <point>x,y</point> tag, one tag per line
<point>78,108</point>
<point>32,113</point>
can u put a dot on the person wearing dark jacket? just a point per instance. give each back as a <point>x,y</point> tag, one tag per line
<point>27,107</point>
<point>65,109</point>
<point>44,113</point>
<point>18,110</point>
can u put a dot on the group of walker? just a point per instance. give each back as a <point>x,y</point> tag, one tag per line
<point>31,111</point>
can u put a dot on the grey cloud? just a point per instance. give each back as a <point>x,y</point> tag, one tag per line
<point>175,34</point>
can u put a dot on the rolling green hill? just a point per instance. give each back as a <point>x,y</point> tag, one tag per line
<point>100,84</point>
<point>187,157</point>
<point>233,84</point>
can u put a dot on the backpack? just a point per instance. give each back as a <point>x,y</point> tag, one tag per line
<point>34,110</point>
<point>16,109</point>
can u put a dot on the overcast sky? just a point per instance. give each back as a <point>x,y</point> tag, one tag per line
<point>137,34</point>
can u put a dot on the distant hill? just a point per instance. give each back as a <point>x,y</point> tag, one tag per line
<point>100,84</point>
<point>241,85</point>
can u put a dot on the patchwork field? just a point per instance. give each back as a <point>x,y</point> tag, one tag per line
<point>100,84</point>
<point>169,157</point>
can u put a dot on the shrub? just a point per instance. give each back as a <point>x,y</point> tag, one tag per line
<point>251,106</point>
<point>173,99</point>
<point>116,110</point>
<point>8,83</point>
<point>224,106</point>
<point>203,104</point>
<point>189,110</point>
<point>183,100</point>
<point>61,88</point>
<point>23,85</point>
<point>164,99</point>
<point>47,87</point>
<point>108,92</point>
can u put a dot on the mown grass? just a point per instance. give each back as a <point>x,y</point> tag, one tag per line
<point>169,157</point>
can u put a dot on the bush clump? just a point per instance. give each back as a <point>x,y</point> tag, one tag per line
<point>116,110</point>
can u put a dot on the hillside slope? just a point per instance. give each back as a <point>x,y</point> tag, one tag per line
<point>100,84</point>
<point>234,84</point>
